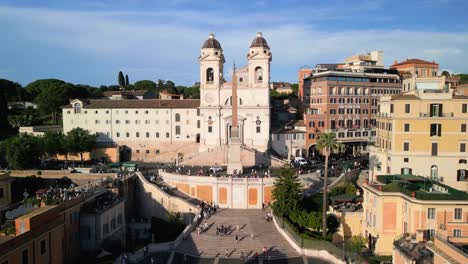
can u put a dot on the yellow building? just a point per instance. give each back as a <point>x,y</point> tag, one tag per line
<point>414,208</point>
<point>5,191</point>
<point>423,132</point>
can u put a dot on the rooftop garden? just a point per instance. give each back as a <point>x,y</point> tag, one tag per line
<point>419,187</point>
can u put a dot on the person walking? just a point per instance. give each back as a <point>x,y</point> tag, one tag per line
<point>252,236</point>
<point>152,260</point>
<point>227,253</point>
<point>237,239</point>
<point>237,228</point>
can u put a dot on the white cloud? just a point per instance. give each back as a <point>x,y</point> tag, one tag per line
<point>167,44</point>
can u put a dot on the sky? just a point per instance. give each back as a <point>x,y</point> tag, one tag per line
<point>89,41</point>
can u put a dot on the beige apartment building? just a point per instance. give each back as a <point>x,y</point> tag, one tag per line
<point>423,132</point>
<point>397,208</point>
<point>419,74</point>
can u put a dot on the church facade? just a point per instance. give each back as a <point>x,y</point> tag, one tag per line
<point>160,130</point>
<point>253,82</point>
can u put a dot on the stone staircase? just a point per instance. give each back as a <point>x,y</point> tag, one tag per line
<point>209,245</point>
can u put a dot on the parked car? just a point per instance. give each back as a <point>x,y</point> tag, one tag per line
<point>300,161</point>
<point>215,169</point>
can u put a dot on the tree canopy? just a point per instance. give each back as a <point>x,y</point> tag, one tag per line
<point>23,151</point>
<point>79,141</point>
<point>287,192</point>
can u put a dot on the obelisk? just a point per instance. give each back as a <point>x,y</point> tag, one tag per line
<point>234,141</point>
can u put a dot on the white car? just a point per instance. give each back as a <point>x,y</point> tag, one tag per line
<point>300,161</point>
<point>215,169</point>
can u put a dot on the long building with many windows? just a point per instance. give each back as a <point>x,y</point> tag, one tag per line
<point>345,103</point>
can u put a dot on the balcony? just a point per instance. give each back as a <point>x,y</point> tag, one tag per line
<point>436,115</point>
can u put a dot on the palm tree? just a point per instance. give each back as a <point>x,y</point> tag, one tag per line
<point>326,143</point>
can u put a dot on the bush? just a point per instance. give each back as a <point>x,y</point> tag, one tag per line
<point>39,173</point>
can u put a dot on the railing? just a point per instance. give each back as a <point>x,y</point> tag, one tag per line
<point>446,241</point>
<point>449,114</point>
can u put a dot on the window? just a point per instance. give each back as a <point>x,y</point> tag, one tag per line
<point>127,122</point>
<point>118,134</point>
<point>177,117</point>
<point>167,135</point>
<point>127,134</point>
<point>464,108</point>
<point>311,136</point>
<point>462,147</point>
<point>461,175</point>
<point>77,108</point>
<point>463,128</point>
<point>136,112</point>
<point>462,161</point>
<point>405,159</point>
<point>198,124</point>
<point>157,134</point>
<point>210,129</point>
<point>113,224</point>
<point>137,122</point>
<point>458,213</point>
<point>406,146</point>
<point>407,108</point>
<point>177,130</point>
<point>436,110</point>
<point>137,134</point>
<point>105,228</point>
<point>431,213</point>
<point>119,219</point>
<point>137,151</point>
<point>147,134</point>
<point>258,129</point>
<point>407,127</point>
<point>96,122</point>
<point>258,75</point>
<point>436,130</point>
<point>117,121</point>
<point>457,233</point>
<point>311,124</point>
<point>43,247</point>
<point>25,256</point>
<point>434,149</point>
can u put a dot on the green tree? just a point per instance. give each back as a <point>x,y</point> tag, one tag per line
<point>170,87</point>
<point>145,85</point>
<point>295,88</point>
<point>445,73</point>
<point>356,244</point>
<point>126,80</point>
<point>23,152</point>
<point>53,143</point>
<point>287,192</point>
<point>20,120</point>
<point>326,143</point>
<point>121,79</point>
<point>35,88</point>
<point>79,141</point>
<point>314,221</point>
<point>9,91</point>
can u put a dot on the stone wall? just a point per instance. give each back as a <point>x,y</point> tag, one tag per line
<point>154,202</point>
<point>227,192</point>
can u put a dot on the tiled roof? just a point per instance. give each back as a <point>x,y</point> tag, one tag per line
<point>295,123</point>
<point>413,61</point>
<point>405,97</point>
<point>148,103</point>
<point>460,97</point>
<point>130,92</point>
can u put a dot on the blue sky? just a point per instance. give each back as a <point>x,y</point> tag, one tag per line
<point>89,41</point>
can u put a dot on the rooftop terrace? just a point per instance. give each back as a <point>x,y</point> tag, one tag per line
<point>418,187</point>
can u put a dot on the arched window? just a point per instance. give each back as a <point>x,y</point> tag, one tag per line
<point>77,108</point>
<point>434,172</point>
<point>258,74</point>
<point>350,91</point>
<point>177,117</point>
<point>209,75</point>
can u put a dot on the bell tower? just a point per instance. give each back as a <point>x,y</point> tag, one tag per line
<point>259,58</point>
<point>211,70</point>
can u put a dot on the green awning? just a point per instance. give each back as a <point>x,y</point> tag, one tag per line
<point>114,165</point>
<point>129,165</point>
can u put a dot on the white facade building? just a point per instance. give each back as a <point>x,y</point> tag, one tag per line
<point>150,127</point>
<point>252,89</point>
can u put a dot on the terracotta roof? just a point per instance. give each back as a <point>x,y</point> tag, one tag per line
<point>168,93</point>
<point>460,97</point>
<point>259,42</point>
<point>413,61</point>
<point>405,97</point>
<point>130,92</point>
<point>211,43</point>
<point>288,131</point>
<point>295,123</point>
<point>148,103</point>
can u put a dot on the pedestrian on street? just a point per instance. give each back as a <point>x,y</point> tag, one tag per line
<point>226,252</point>
<point>152,260</point>
<point>237,228</point>
<point>252,236</point>
<point>237,239</point>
